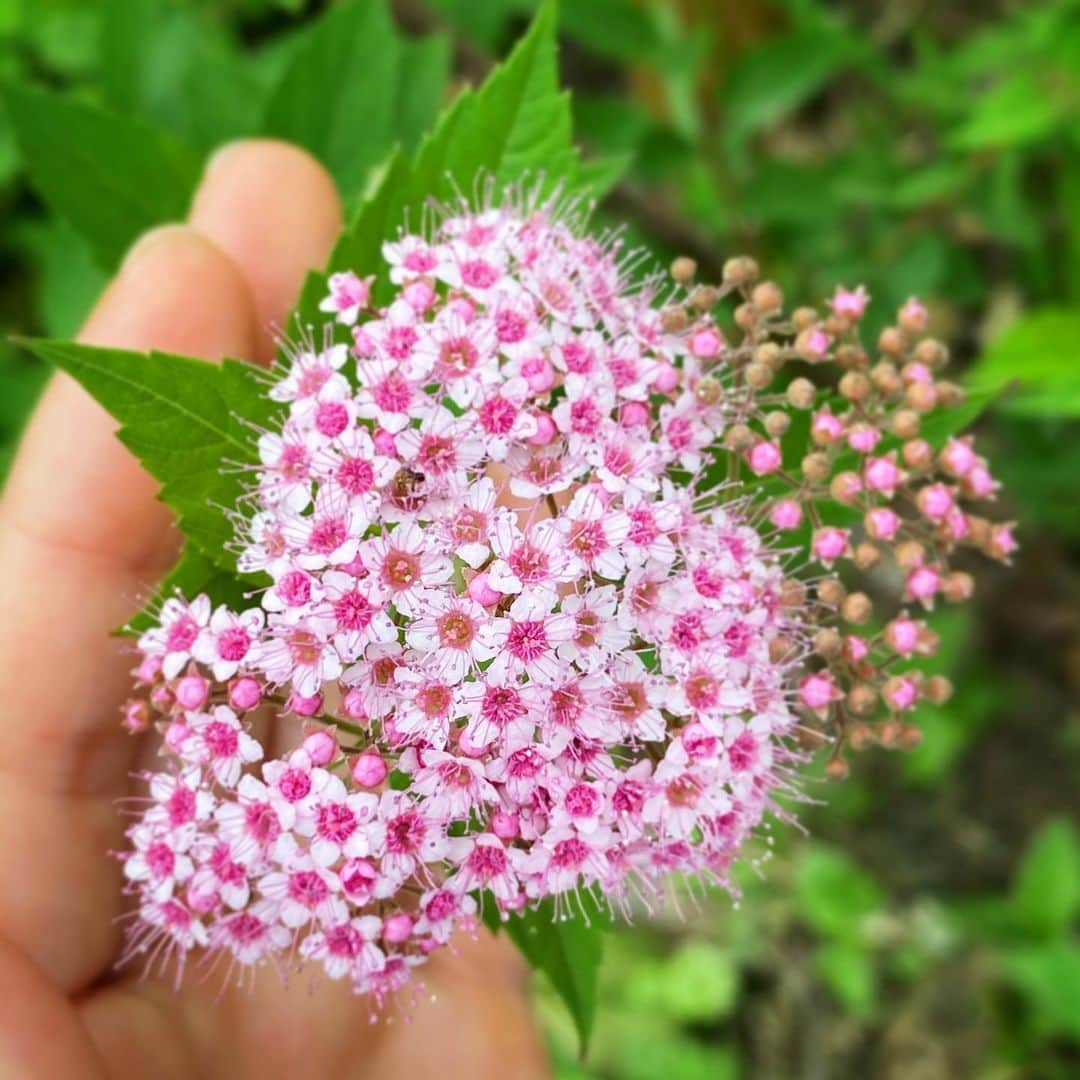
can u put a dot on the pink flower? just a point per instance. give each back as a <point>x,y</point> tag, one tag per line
<point>349,295</point>
<point>764,458</point>
<point>829,544</point>
<point>849,302</point>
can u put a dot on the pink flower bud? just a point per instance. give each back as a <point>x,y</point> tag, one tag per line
<point>902,635</point>
<point>881,474</point>
<point>505,826</point>
<point>369,769</point>
<point>321,747</point>
<point>419,295</point>
<point>818,691</point>
<point>856,649</point>
<point>882,523</point>
<point>706,343</point>
<point>634,414</point>
<point>850,303</point>
<point>914,314</point>
<point>786,514</point>
<point>353,705</point>
<point>161,697</point>
<point>149,669</point>
<point>826,428</point>
<point>463,308</point>
<point>176,734</point>
<point>829,544</point>
<point>901,693</point>
<point>191,692</point>
<point>934,501</point>
<point>922,584</point>
<point>915,372</point>
<point>244,693</point>
<point>978,482</point>
<point>814,344</point>
<point>136,716</point>
<point>545,430</point>
<point>863,438</point>
<point>480,590</point>
<point>539,374</point>
<point>362,343</point>
<point>305,706</point>
<point>764,457</point>
<point>667,378</point>
<point>958,458</point>
<point>397,928</point>
<point>1002,542</point>
<point>384,442</point>
<point>956,525</point>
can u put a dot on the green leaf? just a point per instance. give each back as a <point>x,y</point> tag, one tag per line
<point>1049,978</point>
<point>699,982</point>
<point>848,971</point>
<point>835,896</point>
<point>1041,353</point>
<point>1046,891</point>
<point>189,422</point>
<point>110,176</point>
<point>422,79</point>
<point>336,96</point>
<point>1019,110</point>
<point>195,573</point>
<point>126,28</point>
<point>568,951</point>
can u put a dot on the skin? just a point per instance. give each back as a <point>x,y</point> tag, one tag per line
<point>81,538</point>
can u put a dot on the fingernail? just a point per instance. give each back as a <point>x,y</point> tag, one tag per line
<point>150,240</point>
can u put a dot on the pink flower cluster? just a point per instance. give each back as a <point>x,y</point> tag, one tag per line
<point>545,658</point>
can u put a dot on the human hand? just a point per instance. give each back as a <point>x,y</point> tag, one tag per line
<point>81,537</point>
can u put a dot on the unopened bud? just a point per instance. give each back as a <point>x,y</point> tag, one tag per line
<point>683,269</point>
<point>845,487</point>
<point>931,353</point>
<point>837,769</point>
<point>831,593</point>
<point>860,737</point>
<point>909,737</point>
<point>949,394</point>
<point>708,390</point>
<point>674,318</point>
<point>740,270</point>
<point>815,467</point>
<point>958,587</point>
<point>800,393</point>
<point>793,593</point>
<point>867,555</point>
<point>886,379</point>
<point>910,554</point>
<point>855,386</point>
<point>759,375</point>
<point>804,318</point>
<point>828,643</point>
<point>768,352</point>
<point>862,697</point>
<point>921,396</point>
<point>768,297</point>
<point>782,649</point>
<point>892,341</point>
<point>777,423</point>
<point>703,297</point>
<point>745,316</point>
<point>851,357</point>
<point>857,608</point>
<point>906,423</point>
<point>918,454</point>
<point>938,689</point>
<point>738,438</point>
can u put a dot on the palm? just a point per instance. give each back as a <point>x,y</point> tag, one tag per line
<point>80,537</point>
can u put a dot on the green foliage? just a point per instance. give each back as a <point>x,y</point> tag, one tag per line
<point>182,418</point>
<point>835,896</point>
<point>110,176</point>
<point>1046,891</point>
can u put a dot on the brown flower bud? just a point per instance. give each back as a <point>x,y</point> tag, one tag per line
<point>738,437</point>
<point>800,393</point>
<point>769,353</point>
<point>909,554</point>
<point>793,593</point>
<point>828,643</point>
<point>683,269</point>
<point>835,325</point>
<point>768,297</point>
<point>862,697</point>
<point>931,353</point>
<point>703,297</point>
<point>740,270</point>
<point>927,641</point>
<point>758,375</point>
<point>777,423</point>
<point>892,341</point>
<point>909,737</point>
<point>837,769</point>
<point>889,734</point>
<point>867,555</point>
<point>845,487</point>
<point>906,423</point>
<point>958,587</point>
<point>949,394</point>
<point>746,316</point>
<point>674,318</point>
<point>918,454</point>
<point>979,531</point>
<point>708,390</point>
<point>860,737</point>
<point>815,467</point>
<point>782,649</point>
<point>851,357</point>
<point>886,378</point>
<point>803,318</point>
<point>857,609</point>
<point>921,396</point>
<point>855,386</point>
<point>938,689</point>
<point>830,592</point>
<point>810,738</point>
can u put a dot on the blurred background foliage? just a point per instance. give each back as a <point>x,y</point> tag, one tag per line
<point>927,926</point>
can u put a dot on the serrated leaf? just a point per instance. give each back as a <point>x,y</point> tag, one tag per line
<point>195,573</point>
<point>1046,891</point>
<point>188,421</point>
<point>336,96</point>
<point>111,177</point>
<point>568,951</point>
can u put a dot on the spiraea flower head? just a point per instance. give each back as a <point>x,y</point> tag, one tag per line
<point>530,535</point>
